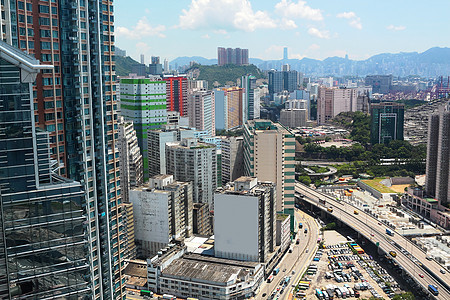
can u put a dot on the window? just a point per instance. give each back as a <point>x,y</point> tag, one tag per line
<point>44,9</point>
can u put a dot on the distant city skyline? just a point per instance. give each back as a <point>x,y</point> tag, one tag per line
<point>308,29</point>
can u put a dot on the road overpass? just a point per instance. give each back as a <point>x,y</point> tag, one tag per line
<point>412,259</point>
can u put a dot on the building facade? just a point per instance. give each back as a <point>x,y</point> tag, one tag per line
<point>269,155</point>
<point>245,220</point>
<point>143,101</point>
<point>438,156</point>
<point>201,111</point>
<point>381,84</point>
<point>177,94</point>
<point>332,101</point>
<point>235,56</point>
<point>43,234</point>
<point>190,160</point>
<point>386,122</point>
<point>157,140</point>
<point>232,158</point>
<point>251,98</point>
<point>293,118</point>
<point>229,110</point>
<point>163,213</point>
<point>131,163</point>
<point>78,99</point>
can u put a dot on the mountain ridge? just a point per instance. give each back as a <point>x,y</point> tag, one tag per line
<point>430,63</point>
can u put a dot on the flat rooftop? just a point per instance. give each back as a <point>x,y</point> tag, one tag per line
<point>208,269</point>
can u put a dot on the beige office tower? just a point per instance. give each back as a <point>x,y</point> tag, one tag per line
<point>131,163</point>
<point>269,155</point>
<point>128,223</point>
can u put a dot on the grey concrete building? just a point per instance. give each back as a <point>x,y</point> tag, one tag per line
<point>131,163</point>
<point>162,212</point>
<point>191,275</point>
<point>294,117</point>
<point>245,220</point>
<point>232,158</point>
<point>191,160</point>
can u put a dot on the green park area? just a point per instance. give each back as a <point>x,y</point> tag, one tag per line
<point>376,184</point>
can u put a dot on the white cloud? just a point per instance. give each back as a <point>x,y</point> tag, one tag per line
<point>288,24</point>
<point>313,47</point>
<point>142,29</point>
<point>396,28</point>
<point>206,36</point>
<point>220,31</point>
<point>354,20</point>
<point>220,14</point>
<point>299,9</point>
<point>324,34</point>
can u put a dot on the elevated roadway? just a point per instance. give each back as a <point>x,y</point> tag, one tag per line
<point>411,258</point>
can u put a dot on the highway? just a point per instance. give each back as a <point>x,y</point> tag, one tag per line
<point>296,261</point>
<point>375,231</point>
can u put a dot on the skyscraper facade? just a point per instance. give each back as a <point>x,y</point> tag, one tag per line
<point>438,157</point>
<point>269,154</point>
<point>232,158</point>
<point>386,122</point>
<point>280,81</point>
<point>228,107</point>
<point>201,111</point>
<point>236,56</point>
<point>43,232</point>
<point>77,103</point>
<point>176,93</point>
<point>251,98</point>
<point>143,101</point>
<point>380,83</point>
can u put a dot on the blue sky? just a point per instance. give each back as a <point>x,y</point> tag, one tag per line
<point>309,28</point>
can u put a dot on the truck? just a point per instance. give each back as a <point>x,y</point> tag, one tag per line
<point>389,232</point>
<point>276,271</point>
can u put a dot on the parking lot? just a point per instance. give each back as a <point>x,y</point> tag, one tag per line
<point>342,269</point>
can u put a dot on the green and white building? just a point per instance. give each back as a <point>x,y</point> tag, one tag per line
<point>143,101</point>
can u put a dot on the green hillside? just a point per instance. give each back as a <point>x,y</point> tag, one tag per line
<point>124,64</point>
<point>222,75</point>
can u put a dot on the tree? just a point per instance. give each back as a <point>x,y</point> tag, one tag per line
<point>404,296</point>
<point>305,180</point>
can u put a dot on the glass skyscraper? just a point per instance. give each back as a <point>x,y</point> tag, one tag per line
<point>43,245</point>
<point>386,122</point>
<point>75,102</point>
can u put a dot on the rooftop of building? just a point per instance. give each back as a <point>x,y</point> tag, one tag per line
<point>266,125</point>
<point>282,217</point>
<point>209,269</point>
<point>136,268</point>
<point>246,179</point>
<point>161,176</point>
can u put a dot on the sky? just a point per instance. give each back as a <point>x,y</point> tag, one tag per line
<point>308,28</point>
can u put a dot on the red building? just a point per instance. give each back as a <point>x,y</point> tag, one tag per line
<point>176,93</point>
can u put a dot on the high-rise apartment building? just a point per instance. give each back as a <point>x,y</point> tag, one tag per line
<point>128,224</point>
<point>177,94</point>
<point>201,111</point>
<point>131,163</point>
<point>293,118</point>
<point>251,98</point>
<point>157,140</point>
<point>143,101</point>
<point>163,213</point>
<point>332,101</point>
<point>228,107</point>
<point>77,103</point>
<point>386,122</point>
<point>155,67</point>
<point>269,155</point>
<point>380,84</point>
<point>280,81</point>
<point>232,158</point>
<point>236,56</point>
<point>43,236</point>
<point>245,220</point>
<point>438,157</point>
<point>190,160</point>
